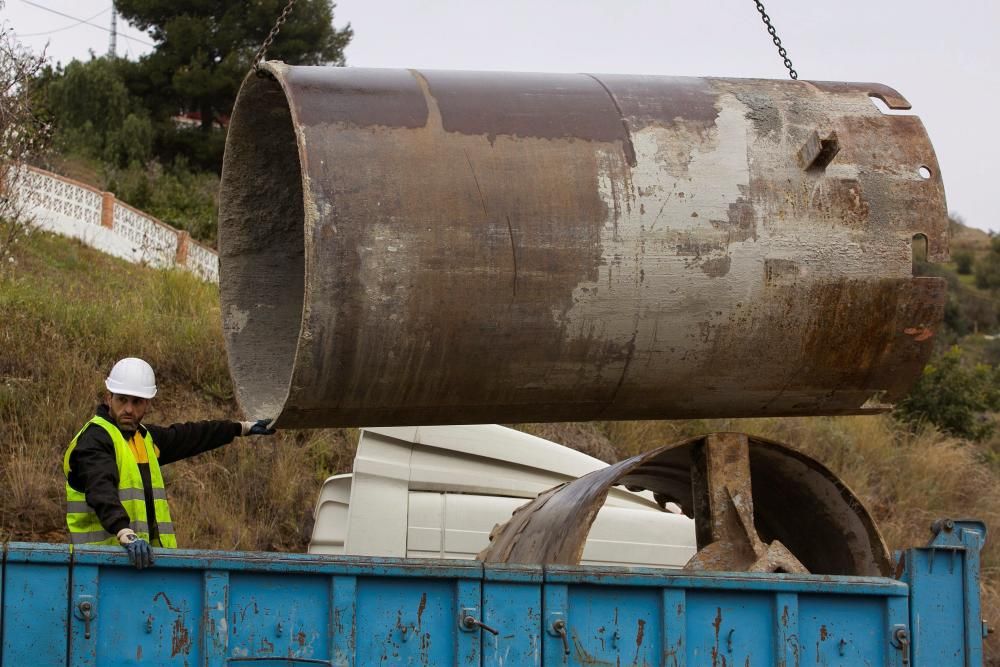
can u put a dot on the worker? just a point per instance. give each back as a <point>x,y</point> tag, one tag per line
<point>114,489</point>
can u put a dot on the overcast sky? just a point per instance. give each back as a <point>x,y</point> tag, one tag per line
<point>943,57</point>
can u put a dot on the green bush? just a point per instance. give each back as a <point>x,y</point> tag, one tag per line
<point>955,397</point>
<point>963,262</point>
<point>132,142</point>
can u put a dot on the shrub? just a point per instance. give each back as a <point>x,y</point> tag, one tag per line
<point>176,195</point>
<point>963,262</point>
<point>954,397</point>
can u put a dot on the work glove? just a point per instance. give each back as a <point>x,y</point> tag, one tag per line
<point>140,553</point>
<point>259,427</point>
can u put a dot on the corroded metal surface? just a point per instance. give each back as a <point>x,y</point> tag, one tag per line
<point>404,247</point>
<point>800,516</point>
<point>722,504</point>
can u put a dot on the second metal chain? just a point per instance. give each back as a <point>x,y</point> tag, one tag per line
<point>777,40</point>
<point>262,51</point>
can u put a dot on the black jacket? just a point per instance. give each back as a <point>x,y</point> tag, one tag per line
<point>94,470</point>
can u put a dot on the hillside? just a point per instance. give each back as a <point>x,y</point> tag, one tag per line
<point>963,237</point>
<point>67,312</point>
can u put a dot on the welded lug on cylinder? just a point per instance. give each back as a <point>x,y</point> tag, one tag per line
<point>818,153</point>
<point>723,512</point>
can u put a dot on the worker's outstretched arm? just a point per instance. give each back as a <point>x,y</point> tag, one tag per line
<point>179,441</point>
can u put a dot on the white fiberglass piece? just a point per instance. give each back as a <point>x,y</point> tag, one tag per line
<point>437,492</point>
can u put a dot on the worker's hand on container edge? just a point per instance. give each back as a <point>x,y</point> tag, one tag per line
<point>259,427</point>
<point>140,553</point>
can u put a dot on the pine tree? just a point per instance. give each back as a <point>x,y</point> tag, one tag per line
<point>204,48</point>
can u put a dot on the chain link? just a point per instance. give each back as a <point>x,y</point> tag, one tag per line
<point>777,40</point>
<point>262,51</point>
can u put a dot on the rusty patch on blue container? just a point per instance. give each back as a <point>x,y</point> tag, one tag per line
<point>420,609</point>
<point>180,639</point>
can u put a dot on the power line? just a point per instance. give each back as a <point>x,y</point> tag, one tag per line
<point>65,27</point>
<point>133,39</point>
<point>79,20</point>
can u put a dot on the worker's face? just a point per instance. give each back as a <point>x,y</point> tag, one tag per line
<point>127,411</point>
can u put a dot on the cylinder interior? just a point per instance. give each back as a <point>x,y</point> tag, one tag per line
<point>261,247</point>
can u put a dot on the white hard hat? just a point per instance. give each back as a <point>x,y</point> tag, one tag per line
<point>132,377</point>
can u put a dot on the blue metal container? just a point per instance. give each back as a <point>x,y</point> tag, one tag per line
<point>215,609</point>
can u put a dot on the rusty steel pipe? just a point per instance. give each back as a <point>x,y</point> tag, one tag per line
<point>409,247</point>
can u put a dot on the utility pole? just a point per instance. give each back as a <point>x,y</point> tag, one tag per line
<point>113,45</point>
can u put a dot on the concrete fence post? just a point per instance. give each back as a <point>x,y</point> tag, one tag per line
<point>108,209</point>
<point>183,241</point>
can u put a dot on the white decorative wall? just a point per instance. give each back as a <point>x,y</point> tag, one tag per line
<point>70,208</point>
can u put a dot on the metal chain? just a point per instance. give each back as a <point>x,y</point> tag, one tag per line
<point>262,51</point>
<point>777,41</point>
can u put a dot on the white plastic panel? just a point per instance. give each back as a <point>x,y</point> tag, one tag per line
<point>446,525</point>
<point>437,492</point>
<point>331,516</point>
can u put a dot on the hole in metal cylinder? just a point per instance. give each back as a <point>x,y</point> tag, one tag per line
<point>918,246</point>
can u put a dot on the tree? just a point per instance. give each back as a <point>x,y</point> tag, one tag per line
<point>204,48</point>
<point>95,115</point>
<point>23,133</point>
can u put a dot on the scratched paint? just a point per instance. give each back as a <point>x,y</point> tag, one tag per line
<point>659,240</point>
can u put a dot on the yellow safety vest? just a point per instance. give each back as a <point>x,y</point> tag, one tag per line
<point>86,528</point>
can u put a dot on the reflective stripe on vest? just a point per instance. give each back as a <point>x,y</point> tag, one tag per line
<point>85,527</point>
<point>123,495</point>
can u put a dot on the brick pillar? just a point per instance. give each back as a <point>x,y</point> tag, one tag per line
<point>183,240</point>
<point>108,209</point>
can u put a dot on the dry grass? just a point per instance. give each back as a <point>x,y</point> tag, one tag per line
<point>66,313</point>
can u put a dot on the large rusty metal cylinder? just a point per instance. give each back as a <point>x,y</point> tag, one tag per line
<point>410,247</point>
